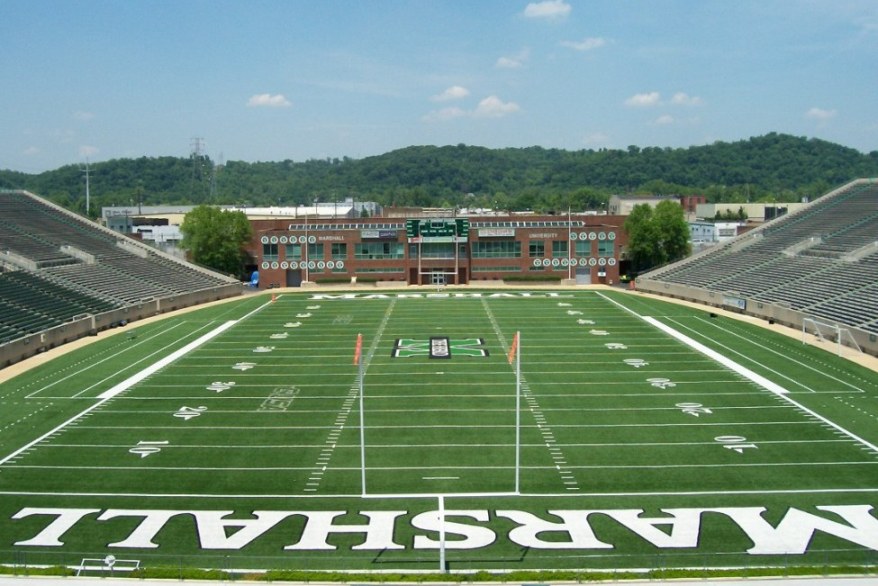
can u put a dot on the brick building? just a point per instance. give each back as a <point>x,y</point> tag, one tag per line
<point>434,250</point>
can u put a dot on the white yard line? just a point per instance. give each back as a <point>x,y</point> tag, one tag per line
<point>106,396</point>
<point>743,371</point>
<point>49,433</point>
<point>111,357</point>
<point>785,356</point>
<point>452,467</point>
<point>808,491</point>
<point>123,386</point>
<point>733,351</point>
<point>156,366</point>
<point>145,358</point>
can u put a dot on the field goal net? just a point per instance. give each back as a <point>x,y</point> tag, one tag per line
<point>829,333</point>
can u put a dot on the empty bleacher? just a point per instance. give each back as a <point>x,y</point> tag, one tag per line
<point>58,267</point>
<point>818,261</point>
<point>29,304</point>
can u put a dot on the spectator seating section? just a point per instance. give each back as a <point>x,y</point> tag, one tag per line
<point>63,286</point>
<point>29,304</point>
<point>819,278</point>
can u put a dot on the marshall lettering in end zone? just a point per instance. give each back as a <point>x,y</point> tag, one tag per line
<point>470,529</point>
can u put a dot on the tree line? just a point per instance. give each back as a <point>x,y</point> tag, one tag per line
<point>770,168</point>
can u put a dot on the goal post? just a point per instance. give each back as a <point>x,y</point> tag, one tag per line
<point>828,333</point>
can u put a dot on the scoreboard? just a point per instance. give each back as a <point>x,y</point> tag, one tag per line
<point>437,229</point>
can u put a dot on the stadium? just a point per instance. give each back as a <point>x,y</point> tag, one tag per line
<point>173,423</point>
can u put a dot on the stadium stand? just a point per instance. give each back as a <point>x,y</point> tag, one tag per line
<point>818,263</point>
<point>64,276</point>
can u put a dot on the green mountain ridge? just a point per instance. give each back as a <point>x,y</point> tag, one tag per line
<point>772,167</point>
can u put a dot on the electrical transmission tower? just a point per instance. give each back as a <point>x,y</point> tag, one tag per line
<point>198,158</point>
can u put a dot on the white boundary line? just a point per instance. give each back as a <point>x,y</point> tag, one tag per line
<point>775,388</point>
<point>578,495</point>
<point>156,366</point>
<point>124,385</point>
<point>35,394</point>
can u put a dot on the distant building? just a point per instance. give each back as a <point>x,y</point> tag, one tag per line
<point>160,225</point>
<point>755,212</point>
<point>704,234</point>
<point>622,205</point>
<point>423,248</point>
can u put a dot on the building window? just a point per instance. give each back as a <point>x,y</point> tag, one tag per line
<point>537,248</point>
<point>606,248</point>
<point>379,251</point>
<point>433,250</point>
<point>583,248</point>
<point>315,251</point>
<point>269,252</point>
<point>507,269</point>
<point>339,251</point>
<point>559,248</point>
<point>496,249</point>
<point>293,251</point>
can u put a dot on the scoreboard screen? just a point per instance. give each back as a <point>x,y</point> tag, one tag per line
<point>437,228</point>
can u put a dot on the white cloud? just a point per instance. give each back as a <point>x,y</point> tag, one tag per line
<point>507,63</point>
<point>683,99</point>
<point>83,116</point>
<point>587,44</point>
<point>87,151</point>
<point>494,107</point>
<point>820,114</point>
<point>548,9</point>
<point>513,61</point>
<point>643,100</point>
<point>454,92</point>
<point>268,101</point>
<point>664,120</point>
<point>31,151</point>
<point>490,107</point>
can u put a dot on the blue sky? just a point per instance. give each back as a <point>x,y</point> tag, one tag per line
<point>274,80</point>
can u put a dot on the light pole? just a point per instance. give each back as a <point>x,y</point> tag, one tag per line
<point>305,246</point>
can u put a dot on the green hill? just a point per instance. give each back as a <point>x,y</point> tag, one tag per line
<point>773,167</point>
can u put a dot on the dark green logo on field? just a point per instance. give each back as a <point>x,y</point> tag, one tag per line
<point>439,347</point>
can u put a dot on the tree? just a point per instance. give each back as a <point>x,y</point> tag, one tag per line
<point>638,225</point>
<point>672,232</point>
<point>657,237</point>
<point>215,238</point>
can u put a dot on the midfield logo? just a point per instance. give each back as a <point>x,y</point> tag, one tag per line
<point>439,347</point>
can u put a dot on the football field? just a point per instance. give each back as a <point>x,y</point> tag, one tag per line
<point>496,430</point>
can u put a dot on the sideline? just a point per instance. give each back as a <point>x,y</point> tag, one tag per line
<point>851,355</point>
<point>32,362</point>
<point>121,387</point>
<point>745,372</point>
<point>132,380</point>
<point>808,581</point>
<point>13,370</point>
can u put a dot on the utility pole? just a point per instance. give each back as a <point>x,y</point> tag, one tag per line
<point>196,154</point>
<point>87,189</point>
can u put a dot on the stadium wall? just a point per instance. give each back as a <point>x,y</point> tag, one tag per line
<point>90,325</point>
<point>771,312</point>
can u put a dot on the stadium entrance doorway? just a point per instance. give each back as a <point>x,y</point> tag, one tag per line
<point>583,275</point>
<point>437,276</point>
<point>294,277</point>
